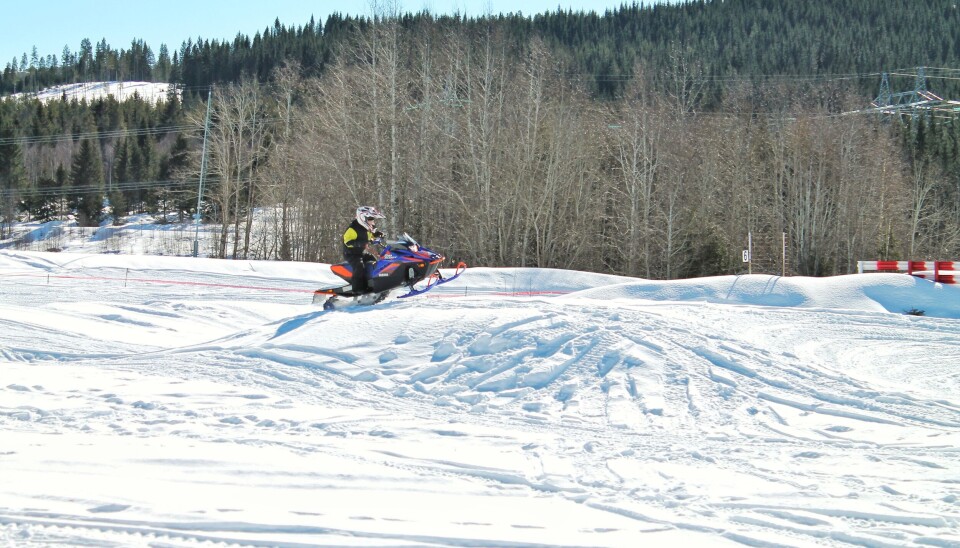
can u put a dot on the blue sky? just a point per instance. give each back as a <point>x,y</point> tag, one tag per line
<point>51,24</point>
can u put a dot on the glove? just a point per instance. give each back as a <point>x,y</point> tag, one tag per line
<point>378,234</point>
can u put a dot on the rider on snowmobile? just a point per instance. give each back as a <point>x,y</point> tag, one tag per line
<point>356,240</point>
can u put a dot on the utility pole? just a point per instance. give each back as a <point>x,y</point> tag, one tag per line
<point>748,253</point>
<point>784,263</point>
<point>203,172</point>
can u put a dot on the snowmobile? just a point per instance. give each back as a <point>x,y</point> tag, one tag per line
<point>402,263</point>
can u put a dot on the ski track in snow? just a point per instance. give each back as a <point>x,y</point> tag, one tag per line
<point>520,421</point>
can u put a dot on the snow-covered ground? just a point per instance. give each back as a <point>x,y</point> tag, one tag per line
<point>91,91</point>
<point>176,401</point>
<point>136,235</point>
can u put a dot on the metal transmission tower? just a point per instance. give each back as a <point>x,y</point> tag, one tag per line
<point>915,102</point>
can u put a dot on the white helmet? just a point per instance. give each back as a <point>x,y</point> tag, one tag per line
<point>367,216</point>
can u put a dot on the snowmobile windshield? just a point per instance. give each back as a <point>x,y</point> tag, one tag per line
<point>409,242</point>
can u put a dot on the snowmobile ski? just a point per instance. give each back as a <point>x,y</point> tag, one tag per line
<point>434,280</point>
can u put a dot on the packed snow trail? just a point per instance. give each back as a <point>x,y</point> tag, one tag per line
<point>739,410</point>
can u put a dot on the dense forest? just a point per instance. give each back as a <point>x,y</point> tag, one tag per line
<point>648,140</point>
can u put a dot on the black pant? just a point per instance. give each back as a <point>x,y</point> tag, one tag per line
<point>359,267</point>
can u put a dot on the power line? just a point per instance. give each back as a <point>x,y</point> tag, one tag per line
<point>61,137</point>
<point>96,188</point>
<point>187,129</point>
<point>918,100</point>
<point>194,130</point>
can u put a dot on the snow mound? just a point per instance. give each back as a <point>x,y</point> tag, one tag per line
<point>899,293</point>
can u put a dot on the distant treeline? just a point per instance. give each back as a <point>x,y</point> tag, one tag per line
<point>732,40</point>
<point>646,141</point>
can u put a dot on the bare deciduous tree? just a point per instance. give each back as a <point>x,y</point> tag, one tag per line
<point>236,145</point>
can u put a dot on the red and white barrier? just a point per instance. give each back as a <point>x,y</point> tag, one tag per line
<point>938,271</point>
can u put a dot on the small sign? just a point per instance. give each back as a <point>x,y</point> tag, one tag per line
<point>746,255</point>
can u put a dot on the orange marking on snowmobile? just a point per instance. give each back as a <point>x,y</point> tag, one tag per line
<point>341,271</point>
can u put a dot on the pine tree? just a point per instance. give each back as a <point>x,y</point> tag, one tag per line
<point>86,178</point>
<point>11,177</point>
<point>62,182</point>
<point>85,61</point>
<point>171,168</point>
<point>162,70</point>
<point>121,168</point>
<point>42,204</point>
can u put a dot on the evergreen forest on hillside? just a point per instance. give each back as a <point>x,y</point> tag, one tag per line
<point>647,141</point>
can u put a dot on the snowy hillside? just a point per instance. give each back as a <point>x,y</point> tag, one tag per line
<point>170,401</point>
<point>150,92</point>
